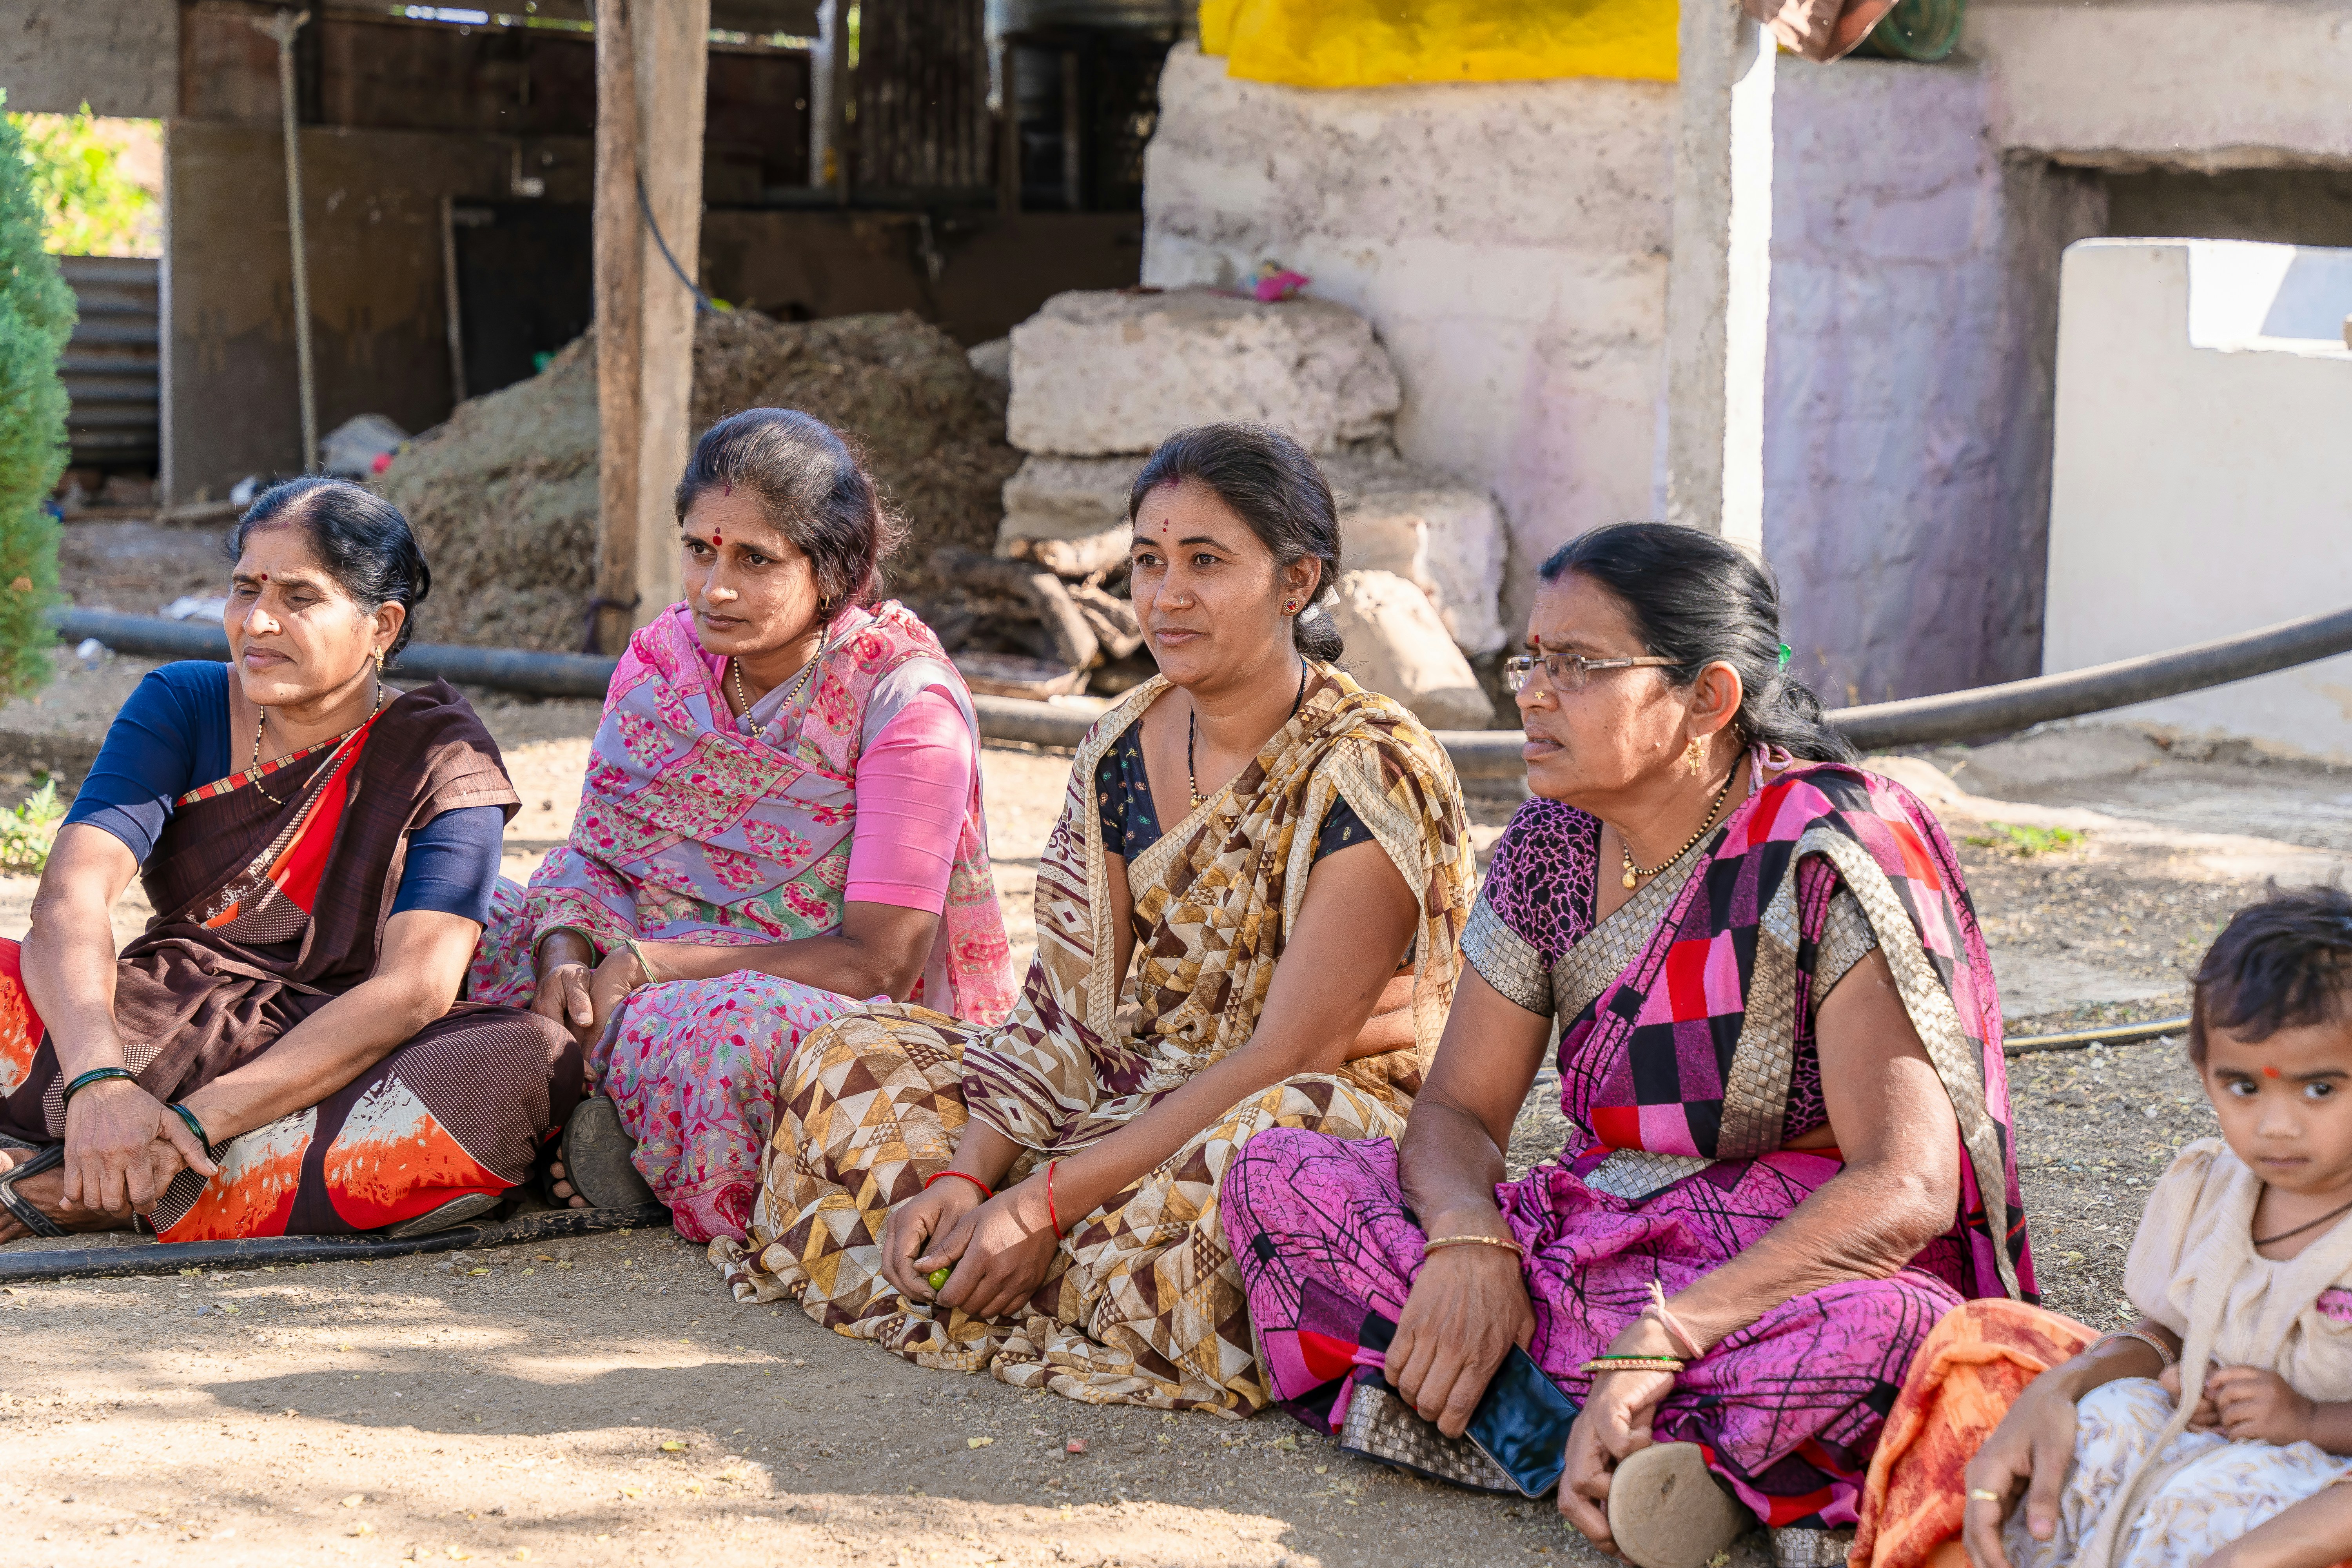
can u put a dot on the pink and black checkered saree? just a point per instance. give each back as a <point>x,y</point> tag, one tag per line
<point>1687,1064</point>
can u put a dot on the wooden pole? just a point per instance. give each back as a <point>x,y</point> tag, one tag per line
<point>619,273</point>
<point>673,48</point>
<point>283,26</point>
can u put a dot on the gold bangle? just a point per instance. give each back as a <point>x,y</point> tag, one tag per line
<point>1978,1494</point>
<point>1432,1243</point>
<point>647,968</point>
<point>1606,1363</point>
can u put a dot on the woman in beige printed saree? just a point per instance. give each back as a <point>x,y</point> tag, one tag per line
<point>1281,955</point>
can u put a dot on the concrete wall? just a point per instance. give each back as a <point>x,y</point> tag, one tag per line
<point>2187,84</point>
<point>1910,337</point>
<point>1507,241</point>
<point>120,57</point>
<point>373,217</point>
<point>2204,392</point>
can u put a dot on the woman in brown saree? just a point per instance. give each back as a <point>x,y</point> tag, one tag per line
<point>282,1051</point>
<point>1246,918</point>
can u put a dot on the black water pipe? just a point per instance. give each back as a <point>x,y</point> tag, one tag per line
<point>124,1260</point>
<point>1996,710</point>
<point>1476,753</point>
<point>502,669</point>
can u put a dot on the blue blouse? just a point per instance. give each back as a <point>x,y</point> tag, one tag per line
<point>173,736</point>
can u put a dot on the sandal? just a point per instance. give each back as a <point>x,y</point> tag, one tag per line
<point>595,1151</point>
<point>1665,1511</point>
<point>21,1211</point>
<point>456,1211</point>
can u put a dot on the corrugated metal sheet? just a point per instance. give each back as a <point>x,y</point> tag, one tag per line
<point>111,362</point>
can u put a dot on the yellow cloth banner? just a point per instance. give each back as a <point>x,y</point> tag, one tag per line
<point>1376,43</point>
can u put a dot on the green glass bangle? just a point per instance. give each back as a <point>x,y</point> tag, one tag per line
<point>194,1126</point>
<point>95,1075</point>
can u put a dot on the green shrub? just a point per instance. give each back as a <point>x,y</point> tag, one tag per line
<point>36,316</point>
<point>90,203</point>
<point>29,827</point>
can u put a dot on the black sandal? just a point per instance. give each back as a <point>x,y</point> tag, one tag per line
<point>596,1149</point>
<point>24,1213</point>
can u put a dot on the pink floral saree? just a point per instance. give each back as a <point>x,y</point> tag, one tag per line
<point>692,828</point>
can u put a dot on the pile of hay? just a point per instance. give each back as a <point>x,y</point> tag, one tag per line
<point>503,498</point>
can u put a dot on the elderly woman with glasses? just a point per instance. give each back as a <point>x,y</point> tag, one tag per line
<point>1780,1059</point>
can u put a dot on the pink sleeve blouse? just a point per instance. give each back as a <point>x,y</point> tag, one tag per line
<point>914,787</point>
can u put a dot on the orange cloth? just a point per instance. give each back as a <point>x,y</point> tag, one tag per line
<point>1974,1365</point>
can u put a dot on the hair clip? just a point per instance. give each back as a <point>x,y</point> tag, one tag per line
<point>1785,655</point>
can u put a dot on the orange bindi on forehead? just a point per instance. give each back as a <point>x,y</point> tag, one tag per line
<point>2269,1071</point>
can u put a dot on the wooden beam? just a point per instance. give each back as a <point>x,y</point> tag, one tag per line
<point>673,47</point>
<point>651,61</point>
<point>619,288</point>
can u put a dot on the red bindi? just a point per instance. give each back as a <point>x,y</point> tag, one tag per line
<point>264,576</point>
<point>2270,1072</point>
<point>716,538</point>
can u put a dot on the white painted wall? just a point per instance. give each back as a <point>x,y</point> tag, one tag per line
<point>1907,383</point>
<point>2204,393</point>
<point>2196,84</point>
<point>1507,241</point>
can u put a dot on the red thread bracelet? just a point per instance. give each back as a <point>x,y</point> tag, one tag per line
<point>986,1192</point>
<point>1051,1217</point>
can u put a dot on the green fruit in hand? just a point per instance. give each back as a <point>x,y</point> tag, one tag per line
<point>939,1277</point>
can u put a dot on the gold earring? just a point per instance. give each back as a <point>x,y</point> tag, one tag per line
<point>1695,756</point>
<point>379,662</point>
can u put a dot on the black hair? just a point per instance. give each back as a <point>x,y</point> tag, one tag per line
<point>360,539</point>
<point>1697,600</point>
<point>2282,963</point>
<point>1267,480</point>
<point>811,485</point>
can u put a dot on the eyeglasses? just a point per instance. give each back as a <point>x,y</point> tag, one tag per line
<point>1568,671</point>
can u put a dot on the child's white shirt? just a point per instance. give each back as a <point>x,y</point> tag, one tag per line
<point>2293,1317</point>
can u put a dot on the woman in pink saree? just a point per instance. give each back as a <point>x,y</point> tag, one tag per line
<point>1780,1056</point>
<point>780,820</point>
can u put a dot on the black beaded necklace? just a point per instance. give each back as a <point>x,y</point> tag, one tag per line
<point>1192,733</point>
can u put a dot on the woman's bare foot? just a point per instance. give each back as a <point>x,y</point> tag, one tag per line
<point>562,1188</point>
<point>47,1193</point>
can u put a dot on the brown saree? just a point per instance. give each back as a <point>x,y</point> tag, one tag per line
<point>272,889</point>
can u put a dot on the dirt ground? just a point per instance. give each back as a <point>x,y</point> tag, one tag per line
<point>602,1402</point>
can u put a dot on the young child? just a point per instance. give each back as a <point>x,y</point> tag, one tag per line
<point>2243,1271</point>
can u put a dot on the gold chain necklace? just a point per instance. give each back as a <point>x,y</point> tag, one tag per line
<point>735,674</point>
<point>264,723</point>
<point>1634,873</point>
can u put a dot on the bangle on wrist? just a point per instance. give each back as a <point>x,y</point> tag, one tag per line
<point>986,1192</point>
<point>96,1075</point>
<point>194,1126</point>
<point>2143,1336</point>
<point>1051,1217</point>
<point>1470,1239</point>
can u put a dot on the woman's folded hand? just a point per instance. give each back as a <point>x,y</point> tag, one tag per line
<point>1000,1250</point>
<point>2028,1452</point>
<point>113,1165</point>
<point>939,1212</point>
<point>562,995</point>
<point>1467,1308</point>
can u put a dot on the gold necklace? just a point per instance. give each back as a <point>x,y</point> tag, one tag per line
<point>1634,873</point>
<point>264,723</point>
<point>735,674</point>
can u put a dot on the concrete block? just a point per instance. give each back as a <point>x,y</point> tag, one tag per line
<point>1463,542</point>
<point>1066,498</point>
<point>1099,372</point>
<point>1397,645</point>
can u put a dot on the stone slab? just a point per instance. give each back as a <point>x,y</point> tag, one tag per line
<point>1066,498</point>
<point>1398,647</point>
<point>1466,542</point>
<point>1102,372</point>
